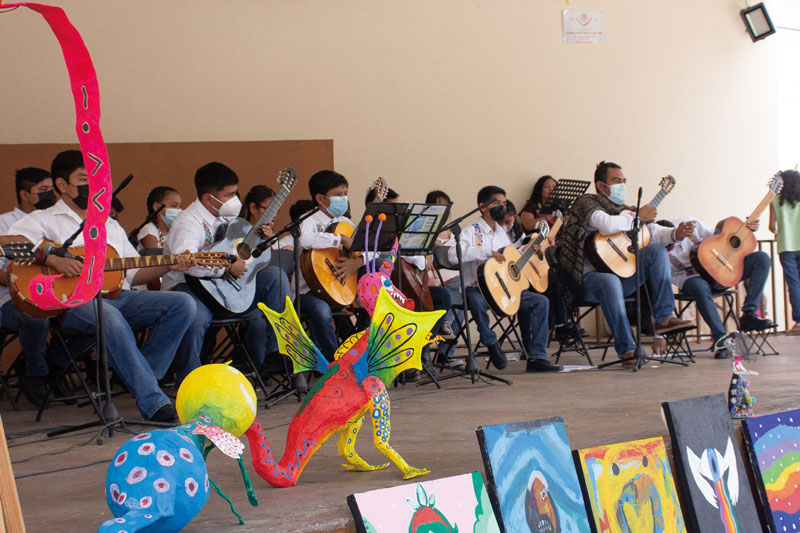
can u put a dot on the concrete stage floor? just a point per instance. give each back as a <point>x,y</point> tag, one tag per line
<point>431,428</point>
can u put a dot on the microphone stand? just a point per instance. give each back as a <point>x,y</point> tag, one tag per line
<point>471,367</point>
<point>135,231</point>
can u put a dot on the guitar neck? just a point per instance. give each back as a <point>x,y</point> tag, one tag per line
<point>127,263</point>
<point>268,215</point>
<point>528,253</point>
<point>762,205</point>
<point>658,198</point>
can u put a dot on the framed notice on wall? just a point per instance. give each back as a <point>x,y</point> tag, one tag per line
<point>583,26</point>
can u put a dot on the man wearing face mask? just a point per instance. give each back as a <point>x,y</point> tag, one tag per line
<point>602,212</point>
<point>198,226</point>
<point>480,241</point>
<point>168,315</point>
<point>34,188</point>
<point>328,190</point>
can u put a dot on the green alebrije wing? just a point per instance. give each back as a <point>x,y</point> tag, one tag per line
<point>396,338</point>
<point>292,339</point>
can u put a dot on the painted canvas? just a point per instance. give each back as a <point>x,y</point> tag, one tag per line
<point>630,487</point>
<point>531,477</point>
<point>773,447</point>
<point>709,466</point>
<point>451,504</point>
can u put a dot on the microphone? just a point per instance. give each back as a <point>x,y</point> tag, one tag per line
<point>51,249</point>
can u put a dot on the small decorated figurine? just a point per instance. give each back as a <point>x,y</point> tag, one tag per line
<point>740,401</point>
<point>158,481</point>
<point>353,386</point>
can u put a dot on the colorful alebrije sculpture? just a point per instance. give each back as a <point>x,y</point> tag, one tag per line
<point>740,401</point>
<point>351,387</point>
<point>158,481</point>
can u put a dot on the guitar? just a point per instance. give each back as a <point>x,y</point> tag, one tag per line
<point>502,283</point>
<point>614,253</point>
<point>720,259</point>
<point>17,250</point>
<point>227,295</point>
<point>415,283</point>
<point>318,265</point>
<point>537,268</point>
<point>22,271</point>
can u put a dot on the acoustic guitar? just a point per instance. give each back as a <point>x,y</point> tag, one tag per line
<point>227,294</point>
<point>22,271</point>
<point>17,250</point>
<point>720,259</point>
<point>502,283</point>
<point>319,265</point>
<point>415,283</point>
<point>614,253</point>
<point>538,268</point>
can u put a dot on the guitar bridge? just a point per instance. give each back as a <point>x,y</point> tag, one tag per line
<point>616,249</point>
<point>722,260</point>
<point>502,284</point>
<point>333,271</point>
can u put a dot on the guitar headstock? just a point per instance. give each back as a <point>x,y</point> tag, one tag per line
<point>775,183</point>
<point>667,183</point>
<point>212,259</point>
<point>559,215</point>
<point>17,250</point>
<point>287,178</point>
<point>544,229</point>
<point>381,189</point>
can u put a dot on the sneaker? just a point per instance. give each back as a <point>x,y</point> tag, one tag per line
<point>722,353</point>
<point>446,331</point>
<point>795,330</point>
<point>752,322</point>
<point>411,375</point>
<point>672,324</point>
<point>542,365</point>
<point>497,356</point>
<point>166,413</point>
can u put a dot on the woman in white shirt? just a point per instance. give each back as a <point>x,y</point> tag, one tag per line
<point>153,234</point>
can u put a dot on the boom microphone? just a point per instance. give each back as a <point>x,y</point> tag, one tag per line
<point>51,249</point>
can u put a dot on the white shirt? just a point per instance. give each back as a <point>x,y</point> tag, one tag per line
<point>478,241</point>
<point>680,255</point>
<point>193,230</point>
<point>6,220</point>
<point>313,236</point>
<point>150,229</point>
<point>59,222</point>
<point>600,221</point>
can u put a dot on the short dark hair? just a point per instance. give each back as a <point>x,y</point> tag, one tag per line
<point>435,195</point>
<point>65,164</point>
<point>323,181</point>
<point>157,195</point>
<point>391,194</point>
<point>28,177</point>
<point>666,223</point>
<point>256,195</point>
<point>790,194</point>
<point>213,177</point>
<point>511,209</point>
<point>601,172</point>
<point>489,191</point>
<point>299,208</point>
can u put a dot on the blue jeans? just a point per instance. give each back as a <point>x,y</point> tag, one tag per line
<point>319,317</point>
<point>32,334</point>
<point>272,286</point>
<point>609,290</point>
<point>756,270</point>
<point>790,261</point>
<point>167,314</point>
<point>533,314</point>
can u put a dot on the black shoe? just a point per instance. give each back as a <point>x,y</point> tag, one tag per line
<point>443,359</point>
<point>166,413</point>
<point>497,357</point>
<point>411,375</point>
<point>34,389</point>
<point>62,390</point>
<point>542,365</point>
<point>752,322</point>
<point>722,353</point>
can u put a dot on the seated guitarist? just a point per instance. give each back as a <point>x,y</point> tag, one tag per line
<point>168,315</point>
<point>756,271</point>
<point>479,242</point>
<point>198,226</point>
<point>328,190</point>
<point>600,212</point>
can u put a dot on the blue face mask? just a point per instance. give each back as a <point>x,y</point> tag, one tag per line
<point>169,215</point>
<point>618,193</point>
<point>338,205</point>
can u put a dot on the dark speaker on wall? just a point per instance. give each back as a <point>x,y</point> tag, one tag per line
<point>757,21</point>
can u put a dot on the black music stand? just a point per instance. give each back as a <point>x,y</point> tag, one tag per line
<point>564,194</point>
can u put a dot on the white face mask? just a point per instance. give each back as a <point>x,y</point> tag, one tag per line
<point>230,208</point>
<point>507,228</point>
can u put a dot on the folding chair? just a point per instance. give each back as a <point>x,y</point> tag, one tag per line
<point>759,341</point>
<point>684,301</point>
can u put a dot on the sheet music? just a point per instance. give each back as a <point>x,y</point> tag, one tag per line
<point>422,219</point>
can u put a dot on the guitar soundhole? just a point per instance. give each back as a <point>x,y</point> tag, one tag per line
<point>735,241</point>
<point>243,251</point>
<point>514,271</point>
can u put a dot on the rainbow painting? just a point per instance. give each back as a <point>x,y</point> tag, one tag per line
<point>630,487</point>
<point>773,447</point>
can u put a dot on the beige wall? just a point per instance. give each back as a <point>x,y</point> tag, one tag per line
<point>428,93</point>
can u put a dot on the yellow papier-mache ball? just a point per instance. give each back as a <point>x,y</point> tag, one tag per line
<point>220,392</point>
